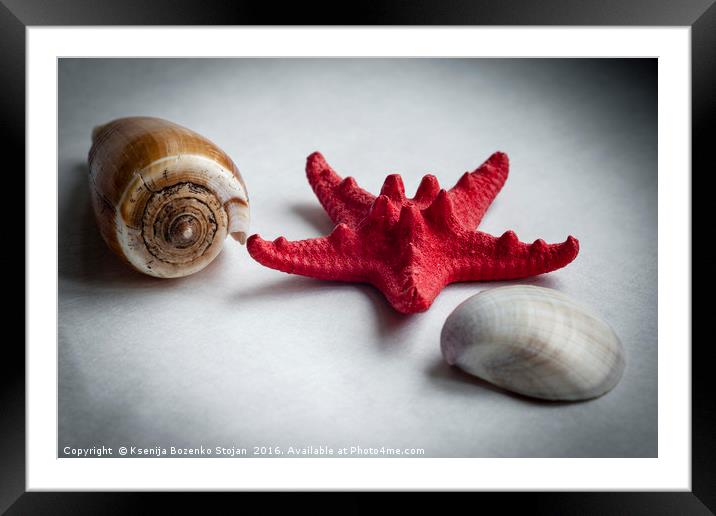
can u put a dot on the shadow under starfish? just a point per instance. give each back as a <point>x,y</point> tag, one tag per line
<point>411,248</point>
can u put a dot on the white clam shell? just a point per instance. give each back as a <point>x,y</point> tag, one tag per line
<point>534,341</point>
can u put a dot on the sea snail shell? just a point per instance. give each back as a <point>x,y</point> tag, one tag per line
<point>534,341</point>
<point>164,197</point>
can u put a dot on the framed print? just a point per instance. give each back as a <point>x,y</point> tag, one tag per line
<point>272,271</point>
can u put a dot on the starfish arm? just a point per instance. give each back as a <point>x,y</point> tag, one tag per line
<point>412,289</point>
<point>343,200</point>
<point>334,257</point>
<point>476,190</point>
<point>482,257</point>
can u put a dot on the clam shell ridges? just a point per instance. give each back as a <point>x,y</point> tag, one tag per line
<point>534,341</point>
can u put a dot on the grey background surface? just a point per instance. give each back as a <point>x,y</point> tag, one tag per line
<point>241,355</point>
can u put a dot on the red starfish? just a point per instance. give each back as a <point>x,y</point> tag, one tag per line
<point>411,249</point>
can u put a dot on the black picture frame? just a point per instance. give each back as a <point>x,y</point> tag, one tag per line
<point>700,15</point>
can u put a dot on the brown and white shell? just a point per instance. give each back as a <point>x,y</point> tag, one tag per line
<point>164,197</point>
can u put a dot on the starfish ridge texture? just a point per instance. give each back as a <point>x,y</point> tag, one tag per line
<point>411,249</point>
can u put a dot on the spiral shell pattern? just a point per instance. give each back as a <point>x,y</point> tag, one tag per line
<point>164,197</point>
